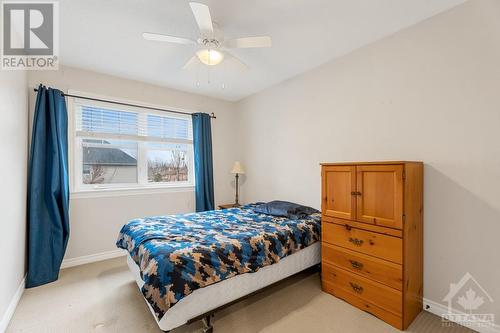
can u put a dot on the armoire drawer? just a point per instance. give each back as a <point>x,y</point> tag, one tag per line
<point>383,296</point>
<point>359,240</point>
<point>385,272</point>
<point>387,316</point>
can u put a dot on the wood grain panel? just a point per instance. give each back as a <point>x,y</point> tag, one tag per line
<point>380,195</point>
<point>385,297</point>
<point>371,243</point>
<point>369,163</point>
<point>365,226</point>
<point>339,183</point>
<point>379,270</point>
<point>413,247</point>
<point>362,304</point>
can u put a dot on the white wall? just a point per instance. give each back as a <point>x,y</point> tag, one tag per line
<point>13,168</point>
<point>95,222</point>
<point>429,93</point>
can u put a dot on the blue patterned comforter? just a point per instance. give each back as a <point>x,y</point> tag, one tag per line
<point>178,254</point>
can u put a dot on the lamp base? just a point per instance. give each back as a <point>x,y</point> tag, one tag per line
<point>236,198</point>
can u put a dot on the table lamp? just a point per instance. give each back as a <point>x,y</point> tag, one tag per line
<point>237,171</point>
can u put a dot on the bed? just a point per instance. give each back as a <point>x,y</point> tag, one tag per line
<point>188,266</point>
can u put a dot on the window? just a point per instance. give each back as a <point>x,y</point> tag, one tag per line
<point>119,147</point>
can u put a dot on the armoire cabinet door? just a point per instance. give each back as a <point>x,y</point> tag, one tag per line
<point>380,195</point>
<point>338,192</point>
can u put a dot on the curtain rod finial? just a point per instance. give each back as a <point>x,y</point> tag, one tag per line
<point>213,116</point>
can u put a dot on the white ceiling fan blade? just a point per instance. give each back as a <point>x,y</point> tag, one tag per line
<point>233,60</point>
<point>192,63</point>
<point>166,38</point>
<point>202,16</point>
<point>248,42</point>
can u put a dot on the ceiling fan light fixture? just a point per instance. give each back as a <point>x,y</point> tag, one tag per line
<point>210,57</point>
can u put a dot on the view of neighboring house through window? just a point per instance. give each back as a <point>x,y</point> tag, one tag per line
<point>109,161</point>
<point>118,147</point>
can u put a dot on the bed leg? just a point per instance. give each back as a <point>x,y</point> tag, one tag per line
<point>207,324</point>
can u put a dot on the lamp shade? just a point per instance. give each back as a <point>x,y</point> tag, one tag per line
<point>238,168</point>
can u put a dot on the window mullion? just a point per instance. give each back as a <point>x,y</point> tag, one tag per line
<point>191,178</point>
<point>78,166</point>
<point>142,158</point>
<point>142,163</point>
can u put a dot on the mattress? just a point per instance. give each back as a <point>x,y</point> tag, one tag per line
<point>215,295</point>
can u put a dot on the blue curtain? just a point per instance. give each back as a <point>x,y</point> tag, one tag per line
<point>203,165</point>
<point>48,188</point>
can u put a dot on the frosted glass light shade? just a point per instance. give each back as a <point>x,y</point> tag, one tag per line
<point>210,57</point>
<point>238,168</point>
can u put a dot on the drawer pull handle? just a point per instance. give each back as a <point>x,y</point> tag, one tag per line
<point>357,289</point>
<point>356,264</point>
<point>356,241</point>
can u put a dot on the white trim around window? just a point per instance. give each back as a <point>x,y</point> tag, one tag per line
<point>145,142</point>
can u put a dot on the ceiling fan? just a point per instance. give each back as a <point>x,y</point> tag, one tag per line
<point>213,47</point>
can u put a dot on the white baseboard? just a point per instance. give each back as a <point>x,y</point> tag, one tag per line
<point>71,262</point>
<point>7,316</point>
<point>440,310</point>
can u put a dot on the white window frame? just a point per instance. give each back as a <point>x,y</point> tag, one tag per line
<point>78,189</point>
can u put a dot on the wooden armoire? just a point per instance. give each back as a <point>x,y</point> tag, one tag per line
<point>372,237</point>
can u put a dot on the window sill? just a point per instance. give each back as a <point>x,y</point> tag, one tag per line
<point>120,192</point>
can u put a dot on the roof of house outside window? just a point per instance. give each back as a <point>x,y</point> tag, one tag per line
<point>107,156</point>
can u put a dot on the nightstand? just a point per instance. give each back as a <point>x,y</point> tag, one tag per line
<point>227,206</point>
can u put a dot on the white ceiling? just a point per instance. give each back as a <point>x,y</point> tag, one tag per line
<point>105,36</point>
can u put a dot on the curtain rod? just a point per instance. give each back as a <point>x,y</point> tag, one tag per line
<point>212,115</point>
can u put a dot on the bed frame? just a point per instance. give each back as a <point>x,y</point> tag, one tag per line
<point>207,318</point>
<point>273,275</point>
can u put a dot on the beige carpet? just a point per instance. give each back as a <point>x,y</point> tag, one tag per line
<point>103,297</point>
